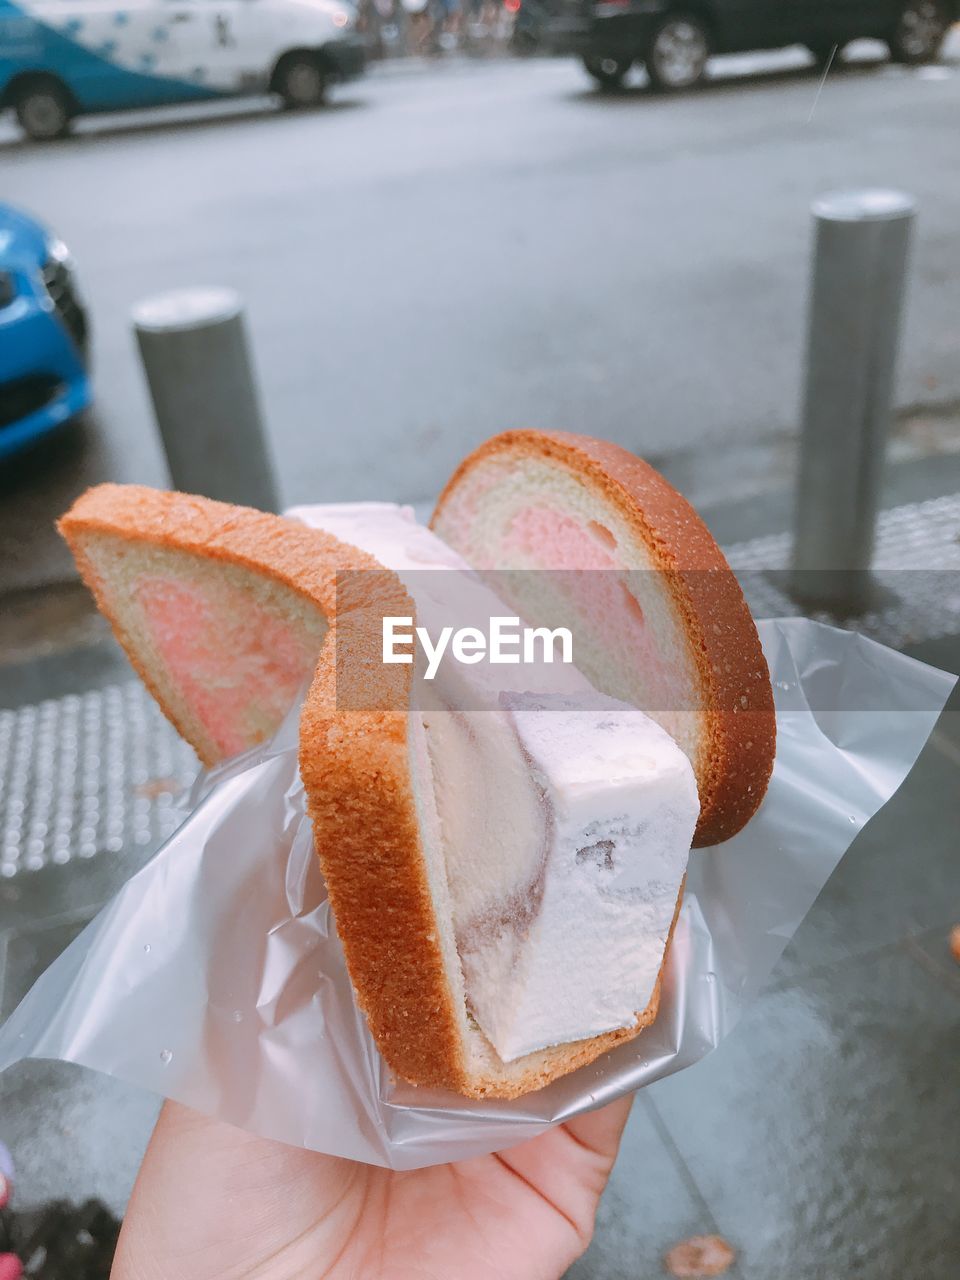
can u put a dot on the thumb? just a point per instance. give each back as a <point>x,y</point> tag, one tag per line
<point>600,1131</point>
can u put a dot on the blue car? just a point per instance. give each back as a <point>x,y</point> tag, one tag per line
<point>64,58</point>
<point>44,374</point>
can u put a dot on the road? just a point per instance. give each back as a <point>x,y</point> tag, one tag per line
<point>442,254</point>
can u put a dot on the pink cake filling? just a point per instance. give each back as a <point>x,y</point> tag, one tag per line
<point>238,665</point>
<point>554,540</point>
<point>541,537</point>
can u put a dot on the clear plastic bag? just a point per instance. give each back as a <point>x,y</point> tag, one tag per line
<point>215,975</point>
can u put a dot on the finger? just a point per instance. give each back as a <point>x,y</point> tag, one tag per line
<point>600,1131</point>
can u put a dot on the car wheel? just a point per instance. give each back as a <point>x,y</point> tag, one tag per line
<point>677,54</point>
<point>609,73</point>
<point>919,32</point>
<point>300,81</point>
<point>43,109</point>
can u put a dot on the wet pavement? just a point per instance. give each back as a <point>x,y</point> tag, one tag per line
<point>820,1138</point>
<point>506,247</point>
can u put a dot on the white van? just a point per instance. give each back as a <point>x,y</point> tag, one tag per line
<point>63,58</point>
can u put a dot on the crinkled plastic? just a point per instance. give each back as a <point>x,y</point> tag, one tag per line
<point>215,975</point>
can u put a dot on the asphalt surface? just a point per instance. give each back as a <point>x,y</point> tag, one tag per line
<point>444,253</point>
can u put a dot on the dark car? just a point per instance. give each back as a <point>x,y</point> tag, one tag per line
<point>674,38</point>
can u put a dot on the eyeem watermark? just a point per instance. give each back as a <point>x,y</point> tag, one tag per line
<point>507,643</point>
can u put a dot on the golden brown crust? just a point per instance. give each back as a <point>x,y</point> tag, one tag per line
<point>740,731</point>
<point>355,765</point>
<point>304,560</point>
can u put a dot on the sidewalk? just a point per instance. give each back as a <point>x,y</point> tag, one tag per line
<point>819,1140</point>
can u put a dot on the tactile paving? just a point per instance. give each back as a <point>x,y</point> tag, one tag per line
<point>916,560</point>
<point>91,772</point>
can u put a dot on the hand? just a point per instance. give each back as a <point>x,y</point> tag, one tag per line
<point>214,1203</point>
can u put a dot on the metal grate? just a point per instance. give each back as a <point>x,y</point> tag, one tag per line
<point>917,559</point>
<point>87,773</point>
<point>101,770</point>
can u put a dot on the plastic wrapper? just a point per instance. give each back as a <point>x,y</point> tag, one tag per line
<point>215,975</point>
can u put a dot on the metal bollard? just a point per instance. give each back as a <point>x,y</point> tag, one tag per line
<point>195,354</point>
<point>859,268</point>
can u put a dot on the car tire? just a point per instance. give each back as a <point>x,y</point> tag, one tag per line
<point>300,81</point>
<point>44,109</point>
<point>920,32</point>
<point>609,73</point>
<point>677,53</point>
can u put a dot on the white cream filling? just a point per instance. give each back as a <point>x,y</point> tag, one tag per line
<point>622,803</point>
<point>566,817</point>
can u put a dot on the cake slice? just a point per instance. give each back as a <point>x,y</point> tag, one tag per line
<point>658,618</point>
<point>440,873</point>
<point>505,867</point>
<point>222,610</point>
